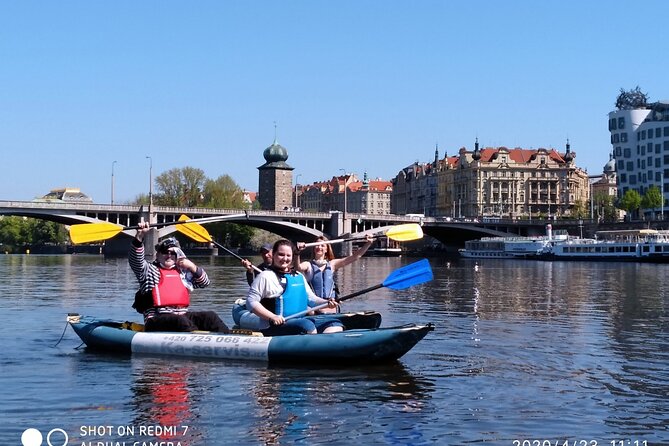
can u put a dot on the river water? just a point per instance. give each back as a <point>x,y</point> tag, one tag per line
<point>524,353</point>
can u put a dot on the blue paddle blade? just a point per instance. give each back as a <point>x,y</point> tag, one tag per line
<point>410,275</point>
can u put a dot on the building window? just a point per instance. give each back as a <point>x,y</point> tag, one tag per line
<point>666,145</point>
<point>658,148</point>
<point>632,179</point>
<point>666,131</point>
<point>621,122</point>
<point>612,124</point>
<point>643,135</point>
<point>627,152</point>
<point>623,137</point>
<point>616,139</point>
<point>623,178</point>
<point>658,132</point>
<point>650,133</point>
<point>630,166</point>
<point>658,162</point>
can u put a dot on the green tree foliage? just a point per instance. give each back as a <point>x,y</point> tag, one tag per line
<point>180,187</point>
<point>579,210</point>
<point>605,209</point>
<point>189,187</point>
<point>652,199</point>
<point>11,231</point>
<point>630,201</point>
<point>16,232</point>
<point>223,193</point>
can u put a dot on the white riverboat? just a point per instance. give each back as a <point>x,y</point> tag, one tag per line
<point>645,245</point>
<point>513,247</point>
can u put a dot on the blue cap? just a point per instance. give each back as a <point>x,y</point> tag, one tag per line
<point>266,247</point>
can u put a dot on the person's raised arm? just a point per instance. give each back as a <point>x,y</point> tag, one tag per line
<point>339,263</point>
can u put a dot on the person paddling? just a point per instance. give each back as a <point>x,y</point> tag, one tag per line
<point>279,292</point>
<point>320,270</point>
<point>165,286</point>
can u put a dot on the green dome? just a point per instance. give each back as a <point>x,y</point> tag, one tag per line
<point>275,153</point>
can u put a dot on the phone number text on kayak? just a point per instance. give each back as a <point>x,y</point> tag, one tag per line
<point>213,346</point>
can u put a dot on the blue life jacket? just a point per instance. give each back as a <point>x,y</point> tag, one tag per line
<point>294,298</point>
<point>322,282</point>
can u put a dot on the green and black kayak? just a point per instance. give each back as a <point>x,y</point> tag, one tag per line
<point>351,347</point>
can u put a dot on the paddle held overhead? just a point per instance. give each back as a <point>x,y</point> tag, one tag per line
<point>405,277</point>
<point>92,232</point>
<point>400,233</point>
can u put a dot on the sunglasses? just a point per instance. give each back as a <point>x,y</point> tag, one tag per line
<point>167,252</point>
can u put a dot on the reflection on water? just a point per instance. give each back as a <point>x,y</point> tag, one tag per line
<point>562,350</point>
<point>162,397</point>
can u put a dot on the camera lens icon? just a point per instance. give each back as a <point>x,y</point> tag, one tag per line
<point>33,437</point>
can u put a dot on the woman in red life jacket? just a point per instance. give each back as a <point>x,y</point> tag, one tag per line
<point>165,285</point>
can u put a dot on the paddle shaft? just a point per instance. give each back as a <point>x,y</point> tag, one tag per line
<point>340,240</point>
<point>338,299</point>
<point>234,254</point>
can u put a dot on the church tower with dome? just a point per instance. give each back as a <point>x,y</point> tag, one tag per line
<point>275,179</point>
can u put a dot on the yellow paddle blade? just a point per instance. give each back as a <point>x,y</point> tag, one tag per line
<point>92,232</point>
<point>405,233</point>
<point>194,231</point>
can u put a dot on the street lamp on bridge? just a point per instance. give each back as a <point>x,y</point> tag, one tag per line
<point>345,187</point>
<point>150,183</point>
<point>296,178</point>
<point>112,183</point>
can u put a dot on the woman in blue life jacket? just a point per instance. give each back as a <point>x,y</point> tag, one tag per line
<point>320,270</point>
<point>279,292</point>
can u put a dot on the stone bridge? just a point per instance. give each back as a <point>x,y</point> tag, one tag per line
<point>302,226</point>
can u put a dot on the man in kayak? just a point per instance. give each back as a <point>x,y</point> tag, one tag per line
<point>279,292</point>
<point>165,285</point>
<point>266,254</point>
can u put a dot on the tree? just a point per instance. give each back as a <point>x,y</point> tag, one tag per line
<point>16,232</point>
<point>579,210</point>
<point>11,232</point>
<point>631,99</point>
<point>180,187</point>
<point>652,199</point>
<point>604,207</point>
<point>224,193</point>
<point>630,201</point>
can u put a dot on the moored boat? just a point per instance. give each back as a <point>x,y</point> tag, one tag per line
<point>513,247</point>
<point>356,346</point>
<point>645,245</point>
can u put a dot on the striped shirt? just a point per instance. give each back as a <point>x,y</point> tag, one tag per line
<point>148,276</point>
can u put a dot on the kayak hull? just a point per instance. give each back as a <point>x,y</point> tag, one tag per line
<point>356,346</point>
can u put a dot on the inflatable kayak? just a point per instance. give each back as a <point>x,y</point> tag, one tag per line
<point>361,319</point>
<point>350,347</point>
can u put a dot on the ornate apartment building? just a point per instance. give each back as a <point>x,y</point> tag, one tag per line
<point>346,193</point>
<point>494,182</point>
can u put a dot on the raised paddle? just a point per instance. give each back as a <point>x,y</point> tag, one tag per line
<point>91,232</point>
<point>399,233</point>
<point>405,277</point>
<point>199,233</point>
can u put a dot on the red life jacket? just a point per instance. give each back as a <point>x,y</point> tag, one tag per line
<point>170,291</point>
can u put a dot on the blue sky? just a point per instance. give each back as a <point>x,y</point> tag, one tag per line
<point>355,85</point>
